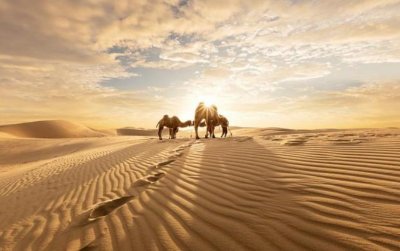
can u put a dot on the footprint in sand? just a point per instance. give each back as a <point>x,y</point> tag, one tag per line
<point>141,183</point>
<point>148,180</point>
<point>177,154</point>
<point>170,159</point>
<point>164,163</point>
<point>158,165</point>
<point>155,177</point>
<point>106,207</point>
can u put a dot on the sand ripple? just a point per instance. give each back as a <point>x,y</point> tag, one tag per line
<point>312,192</point>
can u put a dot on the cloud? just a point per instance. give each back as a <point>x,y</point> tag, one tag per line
<point>355,105</point>
<point>60,53</point>
<point>81,30</point>
<point>183,57</point>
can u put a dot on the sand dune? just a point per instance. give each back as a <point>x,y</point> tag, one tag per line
<point>138,132</point>
<point>258,190</point>
<point>183,132</point>
<point>6,135</point>
<point>49,129</point>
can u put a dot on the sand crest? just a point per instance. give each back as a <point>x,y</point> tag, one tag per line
<point>49,129</point>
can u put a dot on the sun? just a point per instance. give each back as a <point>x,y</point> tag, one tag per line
<point>208,100</point>
<point>192,101</point>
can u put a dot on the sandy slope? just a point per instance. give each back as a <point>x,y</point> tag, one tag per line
<point>49,129</point>
<point>260,190</point>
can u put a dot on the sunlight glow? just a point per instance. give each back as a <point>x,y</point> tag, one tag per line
<point>192,101</point>
<point>208,100</point>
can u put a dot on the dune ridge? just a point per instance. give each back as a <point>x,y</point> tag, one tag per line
<point>49,129</point>
<point>248,192</point>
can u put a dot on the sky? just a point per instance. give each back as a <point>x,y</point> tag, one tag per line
<point>264,63</point>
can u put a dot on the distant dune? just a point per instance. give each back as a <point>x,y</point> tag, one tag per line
<point>49,129</point>
<point>131,131</point>
<point>137,131</point>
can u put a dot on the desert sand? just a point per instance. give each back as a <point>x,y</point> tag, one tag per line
<point>64,186</point>
<point>49,129</point>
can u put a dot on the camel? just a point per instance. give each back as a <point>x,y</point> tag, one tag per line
<point>173,123</point>
<point>210,115</point>
<point>223,122</point>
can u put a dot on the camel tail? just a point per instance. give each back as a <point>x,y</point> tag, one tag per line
<point>157,124</point>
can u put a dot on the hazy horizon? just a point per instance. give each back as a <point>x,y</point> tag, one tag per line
<point>290,64</point>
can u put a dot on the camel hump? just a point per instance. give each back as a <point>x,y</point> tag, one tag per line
<point>175,119</point>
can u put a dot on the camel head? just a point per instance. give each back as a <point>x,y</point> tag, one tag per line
<point>187,123</point>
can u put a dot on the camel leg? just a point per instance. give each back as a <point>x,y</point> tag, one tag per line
<point>224,132</point>
<point>196,128</point>
<point>207,131</point>
<point>160,132</point>
<point>213,131</point>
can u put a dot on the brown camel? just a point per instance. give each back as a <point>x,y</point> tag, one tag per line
<point>223,122</point>
<point>210,115</point>
<point>173,123</point>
